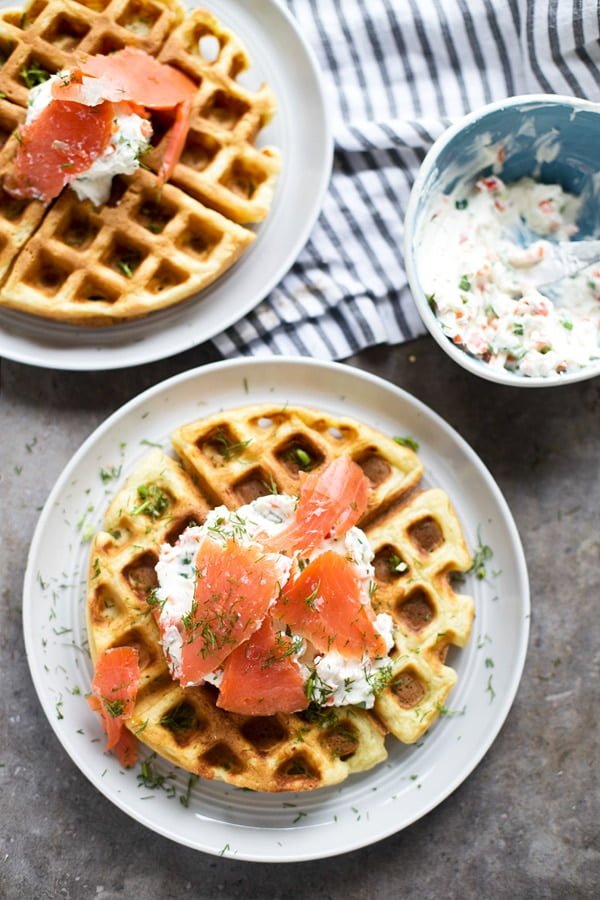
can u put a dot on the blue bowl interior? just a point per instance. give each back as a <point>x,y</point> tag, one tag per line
<point>550,141</point>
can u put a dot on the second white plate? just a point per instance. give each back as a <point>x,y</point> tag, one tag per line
<point>301,130</point>
<point>219,819</point>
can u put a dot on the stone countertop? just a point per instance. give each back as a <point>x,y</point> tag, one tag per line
<point>525,822</point>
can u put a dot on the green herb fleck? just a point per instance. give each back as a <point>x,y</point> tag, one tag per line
<point>461,204</point>
<point>108,473</point>
<point>397,564</point>
<point>114,708</point>
<point>518,328</point>
<point>568,325</point>
<point>154,501</point>
<point>431,301</point>
<point>490,690</point>
<point>407,442</point>
<point>300,456</point>
<point>34,74</point>
<point>228,448</point>
<point>483,553</point>
<point>125,268</point>
<point>152,780</point>
<point>180,718</point>
<point>464,283</point>
<point>184,799</point>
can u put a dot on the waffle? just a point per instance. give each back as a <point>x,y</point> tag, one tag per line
<point>233,457</point>
<point>147,248</point>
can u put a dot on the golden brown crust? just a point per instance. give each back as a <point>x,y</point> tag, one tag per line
<point>147,248</point>
<point>231,457</point>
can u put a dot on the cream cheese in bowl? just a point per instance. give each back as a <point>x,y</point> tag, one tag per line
<point>495,195</point>
<point>478,256</point>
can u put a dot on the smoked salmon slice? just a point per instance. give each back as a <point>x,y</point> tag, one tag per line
<point>61,143</point>
<point>133,75</point>
<point>261,677</point>
<point>323,604</point>
<point>114,689</point>
<point>128,74</point>
<point>76,126</point>
<point>235,586</point>
<point>331,501</point>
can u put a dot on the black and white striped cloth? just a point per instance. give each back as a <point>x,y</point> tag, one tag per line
<point>398,72</point>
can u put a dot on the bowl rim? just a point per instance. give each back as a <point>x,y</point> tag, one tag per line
<point>471,363</point>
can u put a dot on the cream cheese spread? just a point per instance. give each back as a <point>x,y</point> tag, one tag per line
<point>477,258</point>
<point>129,140</point>
<point>332,679</point>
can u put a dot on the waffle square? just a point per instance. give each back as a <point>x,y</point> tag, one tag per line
<point>147,248</point>
<point>233,457</point>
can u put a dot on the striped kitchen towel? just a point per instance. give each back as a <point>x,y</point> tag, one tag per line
<point>398,72</point>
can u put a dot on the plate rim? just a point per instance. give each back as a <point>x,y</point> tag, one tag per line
<point>274,363</point>
<point>96,359</point>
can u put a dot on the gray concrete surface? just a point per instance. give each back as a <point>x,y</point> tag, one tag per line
<point>523,825</point>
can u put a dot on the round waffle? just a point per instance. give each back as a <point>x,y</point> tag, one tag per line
<point>232,458</point>
<point>146,248</point>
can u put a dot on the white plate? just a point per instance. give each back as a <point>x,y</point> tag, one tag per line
<point>302,131</point>
<point>368,806</point>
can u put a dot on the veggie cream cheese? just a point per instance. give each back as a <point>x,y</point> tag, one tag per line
<point>130,139</point>
<point>476,259</point>
<point>331,679</point>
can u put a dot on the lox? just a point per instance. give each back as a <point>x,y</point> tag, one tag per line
<point>76,127</point>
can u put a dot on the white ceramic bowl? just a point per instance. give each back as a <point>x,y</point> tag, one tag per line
<point>457,156</point>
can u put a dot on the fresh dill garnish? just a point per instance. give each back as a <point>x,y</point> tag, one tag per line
<point>154,501</point>
<point>311,600</point>
<point>431,301</point>
<point>461,204</point>
<point>379,678</point>
<point>180,718</point>
<point>316,689</point>
<point>407,442</point>
<point>184,799</point>
<point>34,74</point>
<point>149,778</point>
<point>284,647</point>
<point>228,448</point>
<point>154,601</point>
<point>482,555</point>
<point>271,486</point>
<point>518,328</point>
<point>108,473</point>
<point>464,283</point>
<point>114,708</point>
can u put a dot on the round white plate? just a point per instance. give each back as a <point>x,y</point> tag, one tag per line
<point>301,130</point>
<point>285,827</point>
